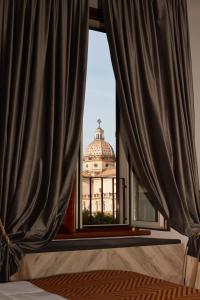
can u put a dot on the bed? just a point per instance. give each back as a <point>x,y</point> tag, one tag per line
<point>23,290</point>
<point>114,285</point>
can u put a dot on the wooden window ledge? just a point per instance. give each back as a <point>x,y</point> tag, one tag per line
<point>93,232</point>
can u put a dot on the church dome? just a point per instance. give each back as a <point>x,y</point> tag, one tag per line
<point>99,147</point>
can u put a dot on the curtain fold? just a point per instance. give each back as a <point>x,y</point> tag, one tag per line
<point>43,61</point>
<point>150,52</point>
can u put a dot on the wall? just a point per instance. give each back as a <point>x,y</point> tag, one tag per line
<point>160,261</point>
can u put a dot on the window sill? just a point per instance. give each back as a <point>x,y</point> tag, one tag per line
<point>103,243</point>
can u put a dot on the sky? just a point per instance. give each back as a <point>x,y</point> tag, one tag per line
<point>100,99</point>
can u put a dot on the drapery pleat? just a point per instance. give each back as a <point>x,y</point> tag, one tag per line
<point>43,59</point>
<point>150,52</point>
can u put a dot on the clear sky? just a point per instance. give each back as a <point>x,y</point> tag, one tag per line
<point>100,99</point>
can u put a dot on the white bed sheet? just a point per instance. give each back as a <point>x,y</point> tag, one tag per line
<point>24,290</point>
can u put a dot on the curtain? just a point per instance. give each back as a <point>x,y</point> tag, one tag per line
<point>150,52</point>
<point>43,59</point>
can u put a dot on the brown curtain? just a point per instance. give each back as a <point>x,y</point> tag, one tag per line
<point>150,51</point>
<point>43,59</point>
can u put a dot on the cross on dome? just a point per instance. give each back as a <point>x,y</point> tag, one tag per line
<point>99,122</point>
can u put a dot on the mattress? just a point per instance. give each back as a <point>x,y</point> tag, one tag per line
<point>22,290</point>
<point>116,285</point>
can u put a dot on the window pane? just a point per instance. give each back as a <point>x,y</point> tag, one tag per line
<point>146,211</point>
<point>99,183</point>
<point>100,99</point>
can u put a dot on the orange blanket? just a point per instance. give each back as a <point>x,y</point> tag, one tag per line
<point>115,285</point>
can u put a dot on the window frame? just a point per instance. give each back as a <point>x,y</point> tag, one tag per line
<point>160,223</point>
<point>96,23</point>
<point>99,26</point>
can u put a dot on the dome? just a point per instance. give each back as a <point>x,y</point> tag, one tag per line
<point>100,148</point>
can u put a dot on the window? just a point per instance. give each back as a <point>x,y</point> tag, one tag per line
<point>121,199</point>
<point>144,214</point>
<point>99,138</point>
<point>107,191</point>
